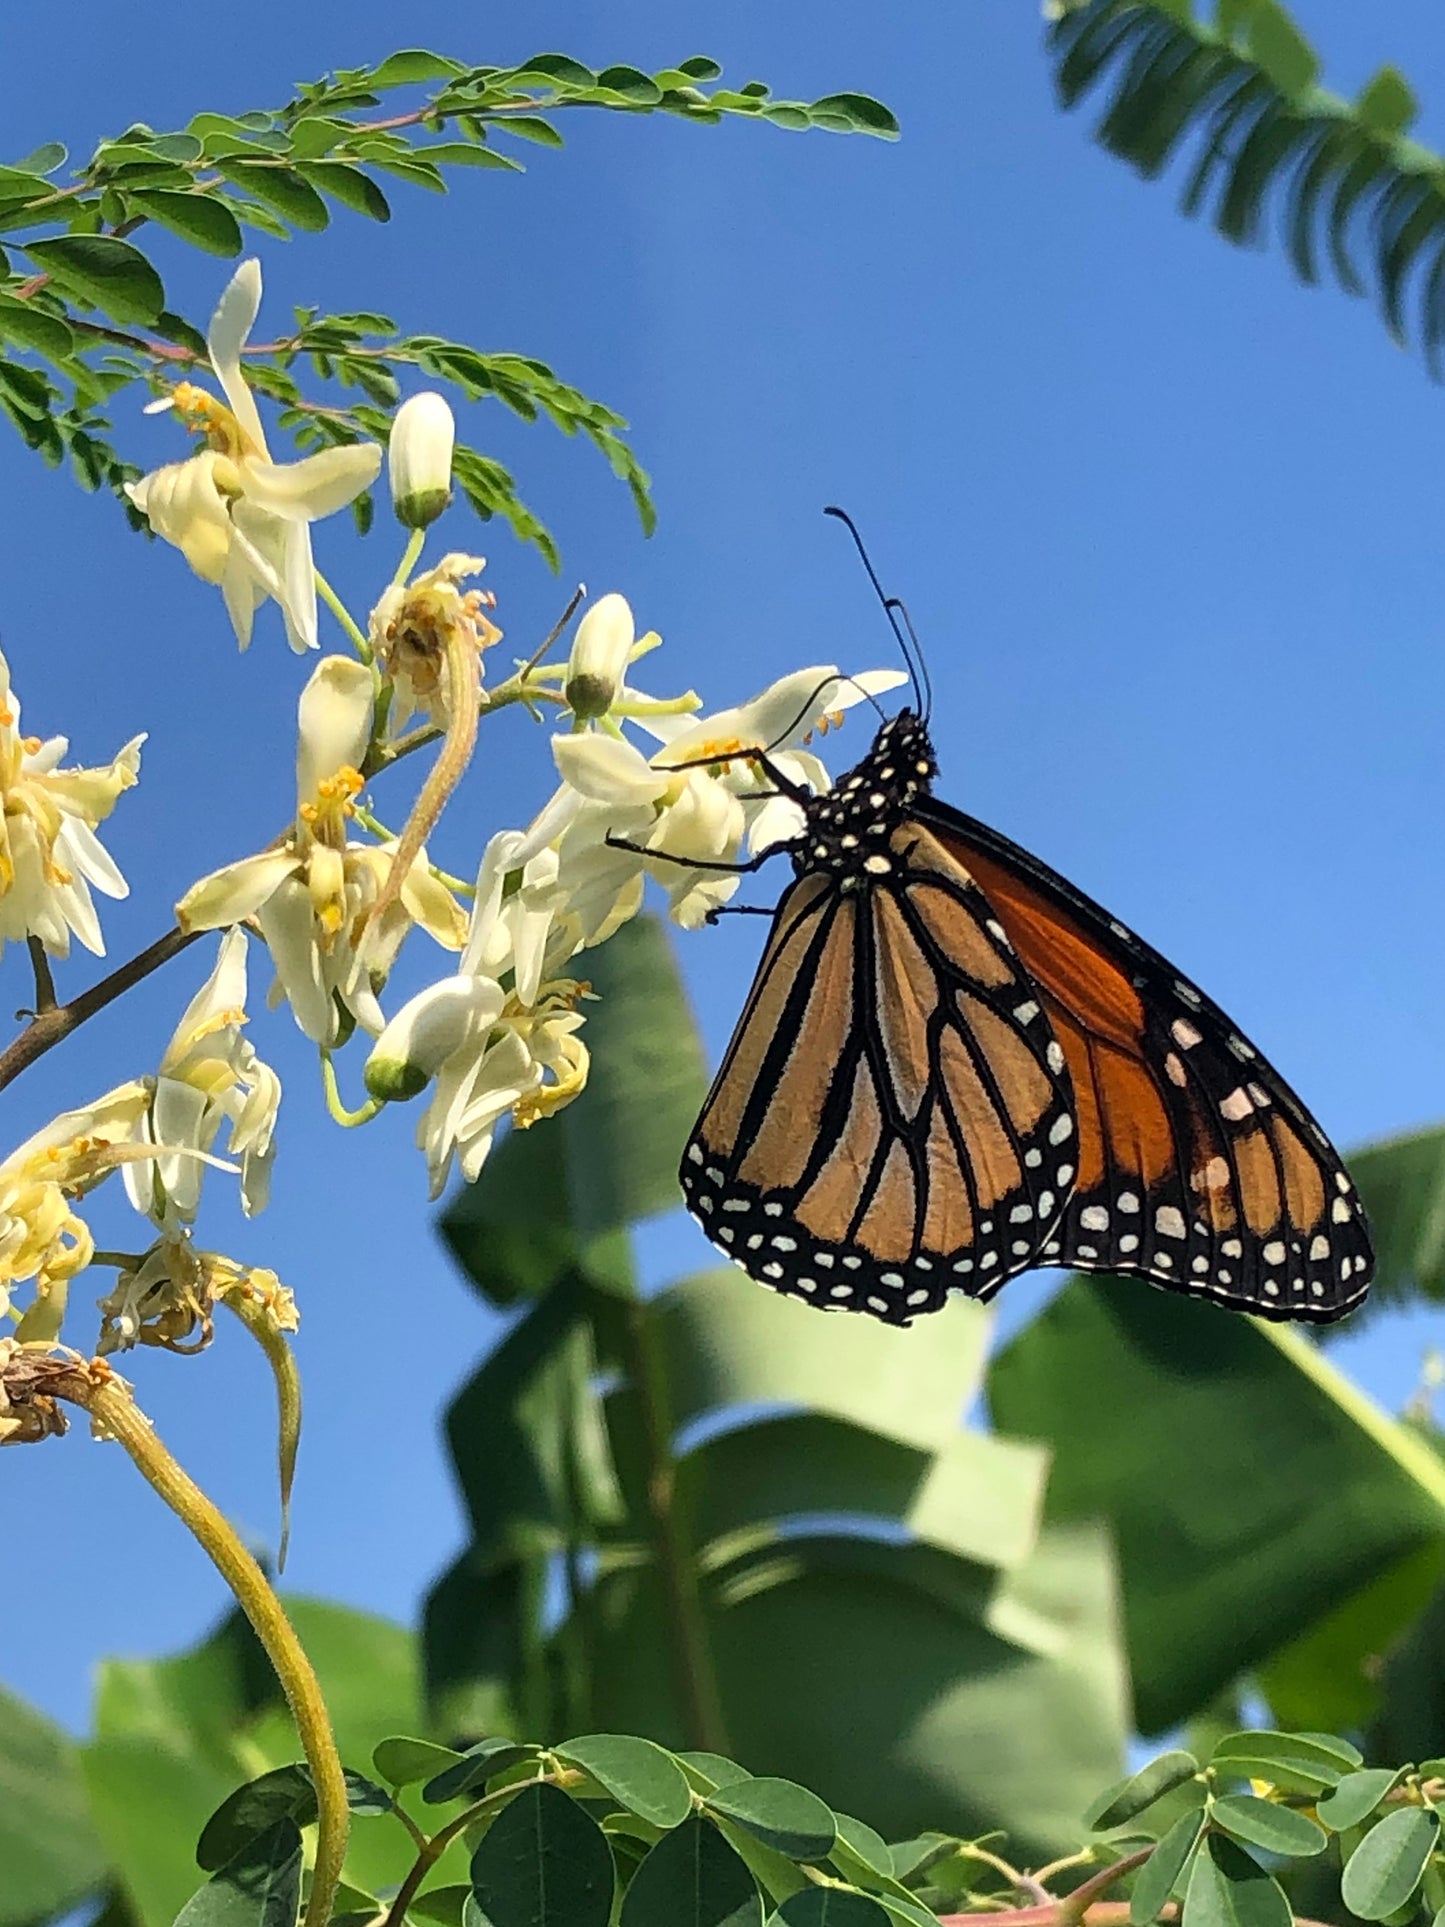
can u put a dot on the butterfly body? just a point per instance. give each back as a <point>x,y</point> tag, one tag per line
<point>954,1067</point>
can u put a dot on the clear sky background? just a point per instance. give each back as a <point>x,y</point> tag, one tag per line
<point>1172,528</point>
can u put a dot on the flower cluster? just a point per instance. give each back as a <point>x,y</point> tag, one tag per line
<point>648,787</point>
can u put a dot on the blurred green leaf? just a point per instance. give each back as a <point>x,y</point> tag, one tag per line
<point>692,1878</point>
<point>639,1775</point>
<point>1221,1568</point>
<point>781,1814</point>
<point>447,1906</point>
<point>1402,1187</point>
<point>1156,1879</point>
<point>29,326</point>
<point>1267,1824</point>
<point>543,1862</point>
<point>1383,1872</point>
<point>259,1887</point>
<point>1140,1790</point>
<point>51,1856</point>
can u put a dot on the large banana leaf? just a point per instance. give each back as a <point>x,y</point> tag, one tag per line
<point>1256,1497</point>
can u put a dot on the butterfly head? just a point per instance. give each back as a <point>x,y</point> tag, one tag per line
<point>849,827</point>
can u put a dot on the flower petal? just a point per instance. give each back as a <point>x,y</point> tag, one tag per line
<point>605,769</point>
<point>238,891</point>
<point>231,324</point>
<point>334,719</point>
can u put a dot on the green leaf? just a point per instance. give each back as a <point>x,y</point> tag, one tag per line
<point>260,1887</point>
<point>1387,103</point>
<point>856,113</point>
<point>544,1862</point>
<point>414,65</point>
<point>692,1878</point>
<point>111,275</point>
<point>632,84</point>
<point>782,1815</point>
<point>1289,1759</point>
<point>1140,1790</point>
<point>348,185</point>
<point>1229,1889</point>
<point>831,1907</point>
<point>285,1793</point>
<point>864,1844</point>
<point>559,67</point>
<point>1279,47</point>
<point>1221,1568</point>
<point>447,1906</point>
<point>48,1846</point>
<point>530,127</point>
<point>1356,1797</point>
<point>44,160</point>
<point>1156,1879</point>
<point>28,326</point>
<point>477,1765</point>
<point>1383,1872</point>
<point>700,67</point>
<point>202,219</point>
<point>401,1761</point>
<point>708,1770</point>
<point>281,188</point>
<point>1267,1824</point>
<point>638,1774</point>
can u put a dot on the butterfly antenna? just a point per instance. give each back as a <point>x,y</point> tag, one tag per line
<point>903,631</point>
<point>898,605</point>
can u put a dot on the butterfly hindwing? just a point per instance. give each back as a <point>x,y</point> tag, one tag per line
<point>1198,1166</point>
<point>888,1115</point>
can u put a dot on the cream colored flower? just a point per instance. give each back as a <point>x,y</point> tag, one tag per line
<point>42,1238</point>
<point>50,856</point>
<point>209,1076</point>
<point>419,459</point>
<point>241,520</point>
<point>492,1051</point>
<point>313,895</point>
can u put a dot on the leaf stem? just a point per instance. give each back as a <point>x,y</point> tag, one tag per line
<point>699,1698</point>
<point>109,1401</point>
<point>48,1026</point>
<point>433,1849</point>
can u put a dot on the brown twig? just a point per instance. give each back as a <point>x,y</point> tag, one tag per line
<point>44,982</point>
<point>47,1027</point>
<point>1104,1913</point>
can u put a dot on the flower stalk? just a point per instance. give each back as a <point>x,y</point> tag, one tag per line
<point>109,1402</point>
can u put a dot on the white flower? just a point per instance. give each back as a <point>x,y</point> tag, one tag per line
<point>419,459</point>
<point>492,1051</point>
<point>313,895</point>
<point>168,1297</point>
<point>210,1075</point>
<point>50,855</point>
<point>601,651</point>
<point>696,800</point>
<point>241,520</point>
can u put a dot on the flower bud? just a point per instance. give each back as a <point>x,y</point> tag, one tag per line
<point>424,1033</point>
<point>599,657</point>
<point>419,459</point>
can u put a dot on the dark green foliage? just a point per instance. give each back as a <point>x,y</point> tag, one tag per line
<point>1235,100</point>
<point>88,303</point>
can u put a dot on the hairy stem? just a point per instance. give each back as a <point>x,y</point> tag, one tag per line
<point>254,1315</point>
<point>48,1027</point>
<point>110,1402</point>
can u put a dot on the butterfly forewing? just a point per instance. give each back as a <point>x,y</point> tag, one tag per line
<point>1197,1165</point>
<point>889,1113</point>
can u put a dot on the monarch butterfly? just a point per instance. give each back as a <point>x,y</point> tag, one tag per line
<point>954,1066</point>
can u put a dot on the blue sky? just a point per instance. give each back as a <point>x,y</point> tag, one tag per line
<point>1171,527</point>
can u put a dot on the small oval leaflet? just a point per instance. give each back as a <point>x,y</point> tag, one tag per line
<point>1264,1823</point>
<point>544,1862</point>
<point>403,1761</point>
<point>1154,1882</point>
<point>831,1907</point>
<point>692,1878</point>
<point>1229,1889</point>
<point>1385,1869</point>
<point>1356,1797</point>
<point>1140,1790</point>
<point>783,1816</point>
<point>639,1774</point>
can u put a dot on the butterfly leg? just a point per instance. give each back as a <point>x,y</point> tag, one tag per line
<point>695,862</point>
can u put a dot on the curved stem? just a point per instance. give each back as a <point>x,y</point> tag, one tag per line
<point>358,640</point>
<point>261,1323</point>
<point>107,1400</point>
<point>433,1849</point>
<point>49,1026</point>
<point>348,1120</point>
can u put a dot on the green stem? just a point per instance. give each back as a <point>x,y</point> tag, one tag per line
<point>433,1849</point>
<point>348,1120</point>
<point>696,1679</point>
<point>110,1403</point>
<point>409,556</point>
<point>338,608</point>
